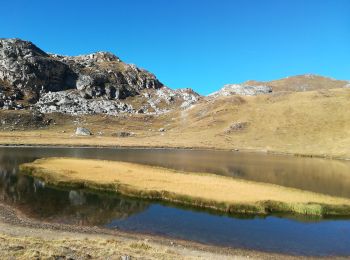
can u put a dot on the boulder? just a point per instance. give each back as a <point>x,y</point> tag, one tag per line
<point>82,131</point>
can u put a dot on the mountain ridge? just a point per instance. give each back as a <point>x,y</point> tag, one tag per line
<point>101,82</point>
<point>93,83</point>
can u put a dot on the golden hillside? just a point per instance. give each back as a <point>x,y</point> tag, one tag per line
<point>305,82</point>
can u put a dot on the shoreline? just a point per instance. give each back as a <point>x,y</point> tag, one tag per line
<point>15,224</point>
<point>244,150</point>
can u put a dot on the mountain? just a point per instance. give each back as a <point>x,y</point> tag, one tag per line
<point>95,83</point>
<point>102,83</point>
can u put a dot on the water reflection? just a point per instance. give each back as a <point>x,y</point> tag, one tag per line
<point>319,175</point>
<point>34,199</point>
<point>308,237</point>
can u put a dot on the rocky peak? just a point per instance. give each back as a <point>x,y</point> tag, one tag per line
<point>12,48</point>
<point>26,68</point>
<point>86,84</point>
<point>29,70</point>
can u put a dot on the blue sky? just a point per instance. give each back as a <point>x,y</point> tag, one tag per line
<point>201,44</point>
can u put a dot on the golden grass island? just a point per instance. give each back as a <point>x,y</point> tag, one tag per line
<point>203,190</point>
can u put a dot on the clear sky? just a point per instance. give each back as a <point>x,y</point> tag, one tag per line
<point>201,44</point>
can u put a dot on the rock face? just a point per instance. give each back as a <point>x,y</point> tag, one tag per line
<point>26,70</point>
<point>103,74</point>
<point>71,102</point>
<point>148,101</point>
<point>25,67</point>
<point>85,84</point>
<point>244,90</point>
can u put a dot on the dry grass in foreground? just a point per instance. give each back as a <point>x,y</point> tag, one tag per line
<point>78,247</point>
<point>196,189</point>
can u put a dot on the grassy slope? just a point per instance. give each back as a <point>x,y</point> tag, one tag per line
<point>306,123</point>
<point>203,190</point>
<point>301,83</point>
<point>311,123</point>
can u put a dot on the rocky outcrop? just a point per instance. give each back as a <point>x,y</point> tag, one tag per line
<point>71,102</point>
<point>85,84</point>
<point>165,99</point>
<point>103,74</point>
<point>244,90</point>
<point>152,102</point>
<point>27,70</point>
<point>8,102</point>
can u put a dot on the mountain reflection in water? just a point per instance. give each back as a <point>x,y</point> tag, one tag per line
<point>34,199</point>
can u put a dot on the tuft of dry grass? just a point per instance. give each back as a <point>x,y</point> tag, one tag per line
<point>196,189</point>
<point>79,248</point>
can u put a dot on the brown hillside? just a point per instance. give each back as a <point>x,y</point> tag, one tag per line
<point>301,83</point>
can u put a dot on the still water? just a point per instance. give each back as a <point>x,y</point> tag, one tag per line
<point>287,234</point>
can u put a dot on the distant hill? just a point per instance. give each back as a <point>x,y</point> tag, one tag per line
<point>305,82</point>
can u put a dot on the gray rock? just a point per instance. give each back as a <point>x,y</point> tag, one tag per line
<point>161,130</point>
<point>82,131</point>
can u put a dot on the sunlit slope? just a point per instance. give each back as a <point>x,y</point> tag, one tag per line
<point>305,82</point>
<point>315,122</point>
